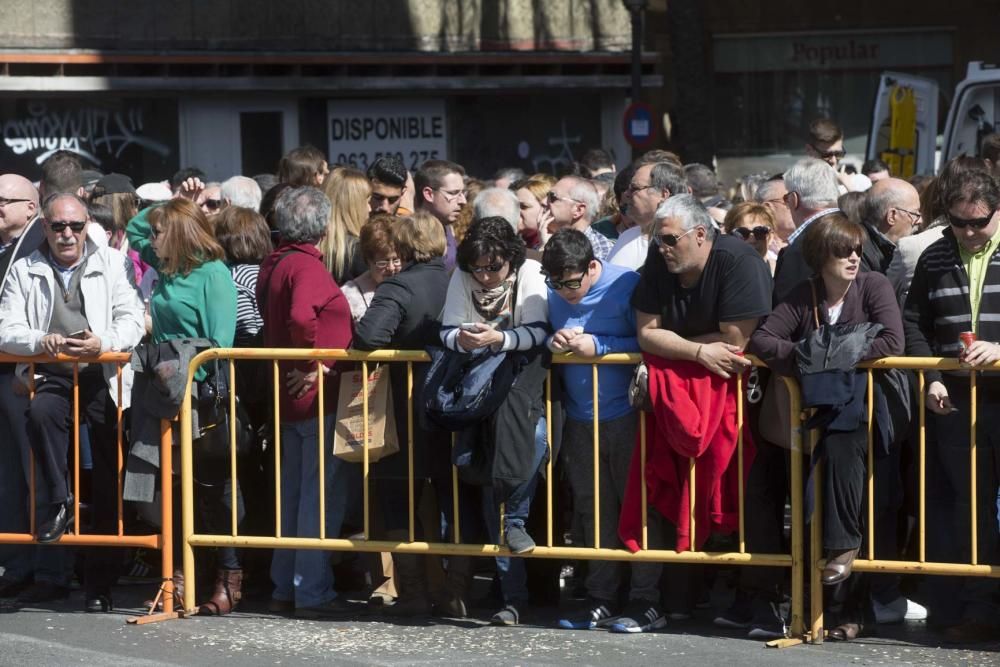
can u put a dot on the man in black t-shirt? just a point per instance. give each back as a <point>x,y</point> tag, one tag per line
<point>699,299</point>
<point>702,293</point>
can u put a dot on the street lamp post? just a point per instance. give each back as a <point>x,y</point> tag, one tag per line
<point>636,8</point>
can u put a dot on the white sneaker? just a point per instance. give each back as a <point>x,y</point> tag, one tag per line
<point>899,610</point>
<point>915,612</point>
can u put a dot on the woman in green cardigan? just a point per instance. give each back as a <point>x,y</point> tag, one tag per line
<point>194,297</point>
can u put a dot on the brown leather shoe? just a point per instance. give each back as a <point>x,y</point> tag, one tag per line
<point>845,632</point>
<point>971,632</point>
<point>838,566</point>
<point>178,594</point>
<point>227,594</point>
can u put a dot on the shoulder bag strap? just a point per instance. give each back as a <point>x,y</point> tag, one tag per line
<point>812,286</point>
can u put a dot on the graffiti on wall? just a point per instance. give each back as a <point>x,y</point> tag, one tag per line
<point>90,132</point>
<point>558,163</point>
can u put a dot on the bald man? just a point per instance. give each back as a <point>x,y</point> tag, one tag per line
<point>33,574</point>
<point>18,205</point>
<point>572,202</point>
<point>890,212</point>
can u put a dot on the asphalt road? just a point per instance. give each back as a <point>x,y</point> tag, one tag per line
<point>61,634</point>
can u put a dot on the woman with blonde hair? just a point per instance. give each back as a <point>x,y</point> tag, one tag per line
<point>530,193</point>
<point>348,190</point>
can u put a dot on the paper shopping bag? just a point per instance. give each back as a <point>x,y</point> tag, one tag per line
<point>349,435</point>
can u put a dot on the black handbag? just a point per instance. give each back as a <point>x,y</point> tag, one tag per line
<point>462,389</point>
<point>211,442</point>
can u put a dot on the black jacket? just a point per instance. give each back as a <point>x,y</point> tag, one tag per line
<point>876,251</point>
<point>937,306</point>
<point>404,315</point>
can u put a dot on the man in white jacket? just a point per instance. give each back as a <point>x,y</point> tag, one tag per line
<point>73,298</point>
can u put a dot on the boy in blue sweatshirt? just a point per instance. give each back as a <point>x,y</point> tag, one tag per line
<point>591,314</point>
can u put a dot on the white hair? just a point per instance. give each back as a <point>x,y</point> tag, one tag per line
<point>497,203</point>
<point>582,191</point>
<point>242,191</point>
<point>814,181</point>
<point>690,211</point>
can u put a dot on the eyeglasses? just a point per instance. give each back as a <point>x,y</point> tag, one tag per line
<point>914,215</point>
<point>552,198</point>
<point>58,225</point>
<point>844,253</point>
<point>378,199</point>
<point>384,264</point>
<point>826,155</point>
<point>975,223</point>
<point>489,268</point>
<point>670,239</point>
<point>633,188</point>
<point>759,233</point>
<point>212,204</point>
<point>777,200</point>
<point>572,283</point>
<point>451,195</point>
<point>4,202</point>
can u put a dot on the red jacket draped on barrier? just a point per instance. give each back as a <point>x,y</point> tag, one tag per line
<point>694,415</point>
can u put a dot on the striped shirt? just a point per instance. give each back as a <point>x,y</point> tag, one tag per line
<point>248,319</point>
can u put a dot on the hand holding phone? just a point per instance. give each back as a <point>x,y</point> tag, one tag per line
<point>470,326</point>
<point>78,335</point>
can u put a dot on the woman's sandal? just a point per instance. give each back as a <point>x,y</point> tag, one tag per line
<point>845,632</point>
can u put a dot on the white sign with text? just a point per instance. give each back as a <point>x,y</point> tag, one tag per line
<point>361,131</point>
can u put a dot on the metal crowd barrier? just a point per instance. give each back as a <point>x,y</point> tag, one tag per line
<point>545,549</point>
<point>162,541</point>
<point>866,560</point>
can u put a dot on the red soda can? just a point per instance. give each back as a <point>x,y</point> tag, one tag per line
<point>967,338</point>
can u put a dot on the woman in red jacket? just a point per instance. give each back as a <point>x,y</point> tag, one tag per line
<point>832,248</point>
<point>303,307</point>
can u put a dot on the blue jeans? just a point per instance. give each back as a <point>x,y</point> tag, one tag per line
<point>47,563</point>
<point>305,575</point>
<point>513,577</point>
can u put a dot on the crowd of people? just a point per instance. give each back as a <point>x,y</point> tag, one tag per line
<point>812,270</point>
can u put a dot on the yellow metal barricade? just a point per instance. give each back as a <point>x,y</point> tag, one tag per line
<point>163,541</point>
<point>867,559</point>
<point>794,560</point>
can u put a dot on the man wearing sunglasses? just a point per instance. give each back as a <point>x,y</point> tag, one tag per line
<point>700,296</point>
<point>652,183</point>
<point>572,203</point>
<point>956,288</point>
<point>825,141</point>
<point>75,298</point>
<point>701,293</point>
<point>590,313</point>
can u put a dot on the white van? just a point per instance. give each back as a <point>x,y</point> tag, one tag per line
<point>973,112</point>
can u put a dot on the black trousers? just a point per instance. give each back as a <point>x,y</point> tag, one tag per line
<point>845,460</point>
<point>50,424</point>
<point>949,528</point>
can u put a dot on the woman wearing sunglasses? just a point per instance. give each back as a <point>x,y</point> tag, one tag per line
<point>754,223</point>
<point>498,300</point>
<point>837,294</point>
